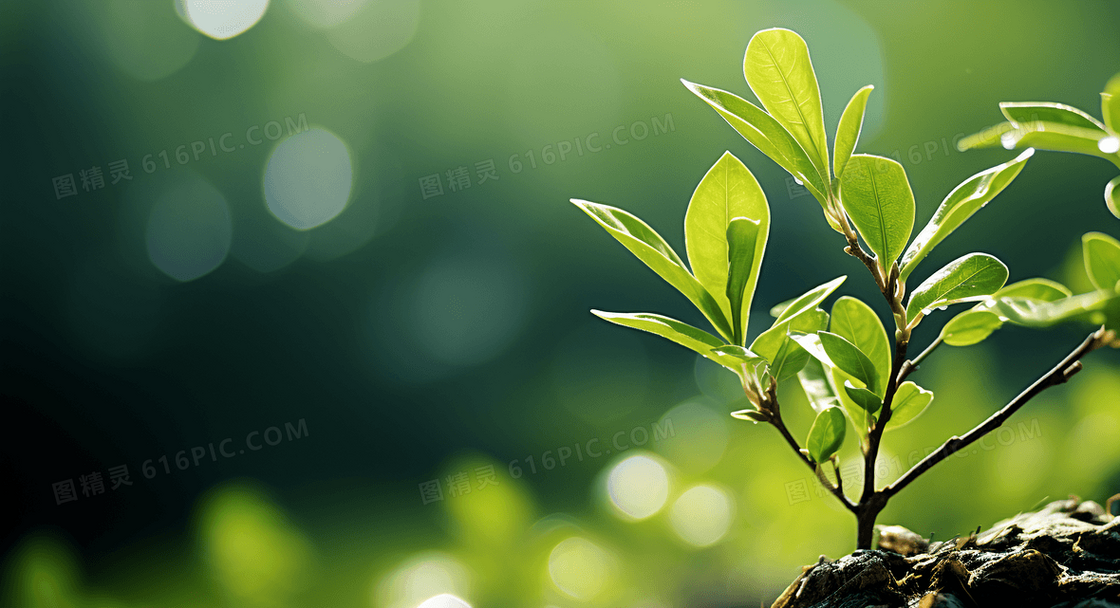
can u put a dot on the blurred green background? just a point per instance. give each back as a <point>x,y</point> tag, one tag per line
<point>343,243</point>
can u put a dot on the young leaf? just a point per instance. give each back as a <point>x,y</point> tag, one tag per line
<point>966,199</point>
<point>777,309</point>
<point>851,360</point>
<point>651,249</point>
<point>727,191</point>
<point>861,419</point>
<point>1023,113</point>
<point>809,300</point>
<point>847,132</point>
<point>789,360</point>
<point>770,342</point>
<point>864,398</point>
<point>742,260</point>
<point>684,334</point>
<point>738,352</point>
<point>779,71</point>
<point>1110,104</point>
<point>877,196</point>
<point>970,327</point>
<point>1091,307</point>
<point>1061,136</point>
<point>764,133</point>
<point>910,400</point>
<point>814,381</point>
<point>969,277</point>
<point>754,416</point>
<point>1112,196</point>
<point>826,435</point>
<point>975,325</point>
<point>856,322</point>
<point>1102,260</point>
<point>1036,289</point>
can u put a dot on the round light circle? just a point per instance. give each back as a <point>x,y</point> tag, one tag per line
<point>308,179</point>
<point>638,487</point>
<point>222,19</point>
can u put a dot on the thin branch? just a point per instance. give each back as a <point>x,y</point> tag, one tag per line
<point>836,490</point>
<point>1058,375</point>
<point>876,434</point>
<point>913,364</point>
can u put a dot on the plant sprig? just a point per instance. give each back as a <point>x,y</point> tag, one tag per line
<point>851,371</point>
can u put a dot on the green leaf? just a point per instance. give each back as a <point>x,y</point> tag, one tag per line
<point>789,361</point>
<point>764,133</point>
<point>777,309</point>
<point>742,259</point>
<point>809,300</point>
<point>1110,104</point>
<point>970,327</point>
<point>856,322</point>
<point>651,249</point>
<point>1112,196</point>
<point>851,360</point>
<point>826,435</point>
<point>968,278</point>
<point>779,71</point>
<point>861,419</point>
<point>1046,126</point>
<point>1091,307</point>
<point>847,132</point>
<point>1035,289</point>
<point>814,380</point>
<point>877,196</point>
<point>1102,260</point>
<point>754,416</point>
<point>727,191</point>
<point>864,398</point>
<point>910,401</point>
<point>735,351</point>
<point>1023,113</point>
<point>684,334</point>
<point>966,199</point>
<point>771,341</point>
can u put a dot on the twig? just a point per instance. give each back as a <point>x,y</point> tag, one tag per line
<point>1058,375</point>
<point>913,364</point>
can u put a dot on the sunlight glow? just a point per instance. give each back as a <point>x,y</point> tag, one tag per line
<point>189,229</point>
<point>638,487</point>
<point>308,179</point>
<point>222,19</point>
<point>579,567</point>
<point>702,515</point>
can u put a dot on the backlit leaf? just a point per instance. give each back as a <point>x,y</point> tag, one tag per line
<point>877,196</point>
<point>966,199</point>
<point>1102,260</point>
<point>847,132</point>
<point>826,435</point>
<point>727,191</point>
<point>910,401</point>
<point>651,249</point>
<point>779,71</point>
<point>968,278</point>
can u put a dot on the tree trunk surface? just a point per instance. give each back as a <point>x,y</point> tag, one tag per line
<point>1066,555</point>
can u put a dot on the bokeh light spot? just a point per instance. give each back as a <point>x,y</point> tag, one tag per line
<point>252,549</point>
<point>445,600</point>
<point>308,179</point>
<point>189,229</point>
<point>638,487</point>
<point>377,30</point>
<point>421,579</point>
<point>222,19</point>
<point>702,515</point>
<point>579,567</point>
